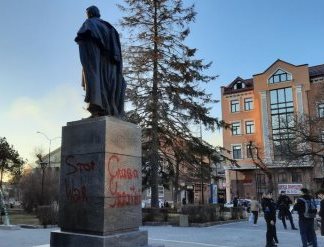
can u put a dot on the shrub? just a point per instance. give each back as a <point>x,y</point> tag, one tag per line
<point>30,187</point>
<point>200,213</point>
<point>47,215</point>
<point>155,214</point>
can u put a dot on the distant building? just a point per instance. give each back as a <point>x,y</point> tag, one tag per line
<point>55,158</point>
<point>254,107</point>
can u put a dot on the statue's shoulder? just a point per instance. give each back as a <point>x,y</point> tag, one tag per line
<point>108,25</point>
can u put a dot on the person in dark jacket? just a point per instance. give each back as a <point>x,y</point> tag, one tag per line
<point>269,210</point>
<point>321,212</point>
<point>235,202</point>
<point>283,204</point>
<point>306,224</point>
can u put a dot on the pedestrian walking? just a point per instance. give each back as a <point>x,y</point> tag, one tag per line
<point>306,209</point>
<point>283,205</point>
<point>269,210</point>
<point>321,212</point>
<point>255,208</point>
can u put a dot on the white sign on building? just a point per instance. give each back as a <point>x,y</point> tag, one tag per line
<point>290,189</point>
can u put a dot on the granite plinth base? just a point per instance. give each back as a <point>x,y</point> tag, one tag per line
<point>47,245</point>
<point>128,239</point>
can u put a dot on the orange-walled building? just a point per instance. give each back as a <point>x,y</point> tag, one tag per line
<point>256,109</point>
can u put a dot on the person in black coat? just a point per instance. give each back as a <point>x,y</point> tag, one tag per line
<point>269,210</point>
<point>321,212</point>
<point>306,224</point>
<point>283,204</point>
<point>235,202</point>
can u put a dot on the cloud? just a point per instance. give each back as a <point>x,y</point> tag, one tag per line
<point>47,113</point>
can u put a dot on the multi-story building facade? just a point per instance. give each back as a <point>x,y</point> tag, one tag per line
<point>258,110</point>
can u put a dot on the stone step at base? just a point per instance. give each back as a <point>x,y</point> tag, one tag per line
<point>127,239</point>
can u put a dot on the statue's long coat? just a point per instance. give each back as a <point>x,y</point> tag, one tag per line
<point>100,55</point>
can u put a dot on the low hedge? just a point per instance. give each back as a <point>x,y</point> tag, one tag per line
<point>47,215</point>
<point>201,213</point>
<point>196,214</point>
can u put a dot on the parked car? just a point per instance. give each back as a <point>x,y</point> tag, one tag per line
<point>245,203</point>
<point>147,203</point>
<point>228,205</point>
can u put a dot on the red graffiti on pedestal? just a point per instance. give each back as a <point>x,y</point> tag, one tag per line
<point>117,175</point>
<point>75,194</point>
<point>78,166</point>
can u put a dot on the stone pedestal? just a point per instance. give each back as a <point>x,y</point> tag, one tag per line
<point>128,239</point>
<point>100,185</point>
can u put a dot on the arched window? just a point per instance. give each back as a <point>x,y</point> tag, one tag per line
<point>239,85</point>
<point>280,76</point>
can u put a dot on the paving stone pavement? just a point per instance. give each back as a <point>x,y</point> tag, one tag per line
<point>240,234</point>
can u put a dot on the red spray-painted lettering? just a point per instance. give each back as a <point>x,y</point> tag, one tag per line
<point>75,194</point>
<point>78,166</point>
<point>122,198</point>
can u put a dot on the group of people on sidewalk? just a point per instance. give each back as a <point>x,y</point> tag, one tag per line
<point>305,207</point>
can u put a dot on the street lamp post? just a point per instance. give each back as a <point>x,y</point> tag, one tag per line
<point>44,164</point>
<point>43,167</point>
<point>49,146</point>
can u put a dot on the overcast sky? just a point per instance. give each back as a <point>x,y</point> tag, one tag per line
<point>40,72</point>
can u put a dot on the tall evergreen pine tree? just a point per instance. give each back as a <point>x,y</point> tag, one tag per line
<point>163,77</point>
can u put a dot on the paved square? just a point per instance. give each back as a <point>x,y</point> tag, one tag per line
<point>240,234</point>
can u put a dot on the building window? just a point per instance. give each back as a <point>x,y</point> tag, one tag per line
<point>322,137</point>
<point>282,119</point>
<point>282,177</point>
<point>280,76</point>
<point>237,152</point>
<point>296,177</point>
<point>248,104</point>
<point>160,189</point>
<point>239,85</point>
<point>261,179</point>
<point>236,128</point>
<point>249,127</point>
<point>320,109</point>
<point>235,106</point>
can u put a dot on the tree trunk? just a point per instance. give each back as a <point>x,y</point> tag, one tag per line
<point>155,137</point>
<point>176,185</point>
<point>202,181</point>
<point>1,176</point>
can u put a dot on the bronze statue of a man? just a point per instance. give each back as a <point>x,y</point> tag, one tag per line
<point>101,59</point>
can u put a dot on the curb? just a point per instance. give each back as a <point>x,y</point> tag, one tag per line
<point>207,224</point>
<point>37,226</point>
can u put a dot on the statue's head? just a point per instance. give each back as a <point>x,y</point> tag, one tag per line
<point>93,11</point>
